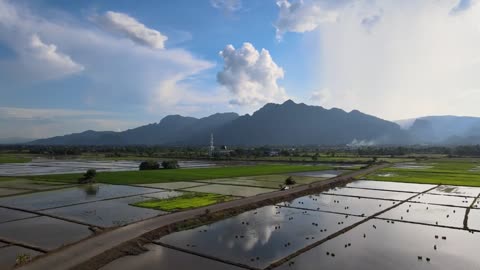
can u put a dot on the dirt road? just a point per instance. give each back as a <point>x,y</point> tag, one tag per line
<point>77,254</point>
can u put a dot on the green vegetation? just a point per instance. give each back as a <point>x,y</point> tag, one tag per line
<point>184,202</point>
<point>88,177</point>
<point>22,259</point>
<point>162,176</point>
<point>149,165</point>
<point>170,164</point>
<point>10,158</point>
<point>290,181</point>
<point>460,172</point>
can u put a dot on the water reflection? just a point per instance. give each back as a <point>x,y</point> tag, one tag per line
<point>259,237</point>
<point>91,189</point>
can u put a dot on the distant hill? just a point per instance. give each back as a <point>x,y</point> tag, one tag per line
<point>446,129</point>
<point>173,129</point>
<point>14,140</point>
<point>274,124</point>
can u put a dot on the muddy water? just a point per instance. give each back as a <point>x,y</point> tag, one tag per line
<point>397,246</point>
<point>69,196</point>
<point>341,204</point>
<point>258,238</point>
<point>8,255</point>
<point>9,215</point>
<point>111,213</point>
<point>159,257</point>
<point>44,232</point>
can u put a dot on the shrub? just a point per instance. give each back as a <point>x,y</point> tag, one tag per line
<point>149,165</point>
<point>170,164</point>
<point>22,259</point>
<point>289,181</point>
<point>88,177</point>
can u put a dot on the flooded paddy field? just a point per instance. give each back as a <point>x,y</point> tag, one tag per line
<point>371,193</point>
<point>43,232</point>
<point>71,196</point>
<point>45,167</point>
<point>54,214</point>
<point>160,257</point>
<point>113,212</point>
<point>365,225</point>
<point>10,253</point>
<point>237,191</point>
<point>44,221</point>
<point>260,237</point>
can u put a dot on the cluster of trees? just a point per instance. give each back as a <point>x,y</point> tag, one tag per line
<point>308,152</point>
<point>88,177</point>
<point>154,165</point>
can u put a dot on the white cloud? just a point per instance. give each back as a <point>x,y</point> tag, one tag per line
<point>36,58</point>
<point>304,16</point>
<point>185,98</point>
<point>251,76</point>
<point>49,55</point>
<point>419,60</point>
<point>118,74</point>
<point>134,30</point>
<point>113,65</point>
<point>320,97</point>
<point>227,5</point>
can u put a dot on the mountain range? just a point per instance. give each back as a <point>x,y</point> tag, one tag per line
<point>289,123</point>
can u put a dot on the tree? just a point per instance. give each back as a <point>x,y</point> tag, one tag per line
<point>170,164</point>
<point>88,177</point>
<point>290,181</point>
<point>149,165</point>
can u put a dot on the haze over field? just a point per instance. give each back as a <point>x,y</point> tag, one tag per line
<point>67,67</point>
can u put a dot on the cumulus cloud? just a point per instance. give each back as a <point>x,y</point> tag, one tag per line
<point>49,55</point>
<point>36,58</point>
<point>134,30</point>
<point>251,76</point>
<point>227,5</point>
<point>118,74</point>
<point>304,16</point>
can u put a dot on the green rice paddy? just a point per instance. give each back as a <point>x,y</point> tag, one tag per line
<point>184,202</point>
<point>461,172</point>
<point>162,176</point>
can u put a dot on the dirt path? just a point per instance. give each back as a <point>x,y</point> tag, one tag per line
<point>84,251</point>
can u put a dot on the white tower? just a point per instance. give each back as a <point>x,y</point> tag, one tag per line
<point>212,148</point>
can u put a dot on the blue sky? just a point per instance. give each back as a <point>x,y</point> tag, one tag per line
<point>68,66</point>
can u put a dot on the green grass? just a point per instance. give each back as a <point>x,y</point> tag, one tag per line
<point>163,176</point>
<point>444,171</point>
<point>184,202</point>
<point>7,158</point>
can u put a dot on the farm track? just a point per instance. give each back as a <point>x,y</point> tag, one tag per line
<point>94,252</point>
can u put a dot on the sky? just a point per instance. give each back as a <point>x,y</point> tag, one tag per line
<point>69,66</point>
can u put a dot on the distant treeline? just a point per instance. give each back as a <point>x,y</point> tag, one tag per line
<point>202,152</point>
